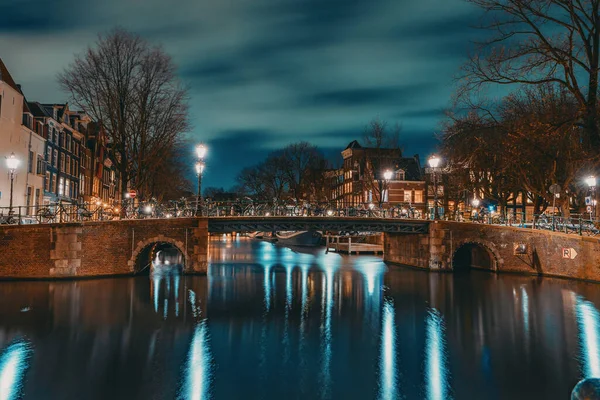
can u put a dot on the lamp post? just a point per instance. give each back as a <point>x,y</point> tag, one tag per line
<point>474,204</point>
<point>591,182</point>
<point>387,176</point>
<point>434,162</point>
<point>12,162</point>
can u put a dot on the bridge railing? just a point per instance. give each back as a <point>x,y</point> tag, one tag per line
<point>62,212</point>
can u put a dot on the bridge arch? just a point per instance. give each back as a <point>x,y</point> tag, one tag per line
<point>145,249</point>
<point>470,254</point>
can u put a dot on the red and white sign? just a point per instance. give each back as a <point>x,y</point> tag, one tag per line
<point>132,193</point>
<point>569,253</point>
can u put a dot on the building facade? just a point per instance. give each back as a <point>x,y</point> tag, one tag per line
<point>19,134</point>
<point>361,180</point>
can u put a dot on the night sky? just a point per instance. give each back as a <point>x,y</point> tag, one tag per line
<point>265,73</point>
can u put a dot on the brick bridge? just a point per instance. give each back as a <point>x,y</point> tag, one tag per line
<point>123,247</point>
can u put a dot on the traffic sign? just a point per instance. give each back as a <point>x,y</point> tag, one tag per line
<point>589,209</point>
<point>132,193</point>
<point>569,253</point>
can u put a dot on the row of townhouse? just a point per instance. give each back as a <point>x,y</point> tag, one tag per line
<point>64,155</point>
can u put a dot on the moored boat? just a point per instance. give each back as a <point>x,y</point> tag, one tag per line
<point>299,238</point>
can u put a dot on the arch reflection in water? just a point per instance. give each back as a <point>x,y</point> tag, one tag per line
<point>388,388</point>
<point>588,320</point>
<point>436,373</point>
<point>14,362</point>
<point>198,368</point>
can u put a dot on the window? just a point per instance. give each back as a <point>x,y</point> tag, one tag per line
<point>53,184</point>
<point>408,196</point>
<point>48,155</point>
<point>61,186</point>
<point>68,165</point>
<point>418,196</point>
<point>55,159</point>
<point>62,162</point>
<point>81,184</point>
<point>69,143</point>
<point>62,140</point>
<point>385,195</point>
<point>36,201</point>
<point>47,182</point>
<point>40,167</point>
<point>30,163</point>
<point>28,200</point>
<point>68,188</point>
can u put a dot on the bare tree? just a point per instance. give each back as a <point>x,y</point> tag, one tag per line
<point>536,42</point>
<point>131,88</point>
<point>302,162</point>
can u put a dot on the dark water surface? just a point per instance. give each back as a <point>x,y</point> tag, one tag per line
<point>272,323</point>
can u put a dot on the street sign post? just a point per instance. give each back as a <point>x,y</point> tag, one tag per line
<point>555,190</point>
<point>569,253</point>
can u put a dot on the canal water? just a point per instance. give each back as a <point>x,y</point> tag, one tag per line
<point>272,323</point>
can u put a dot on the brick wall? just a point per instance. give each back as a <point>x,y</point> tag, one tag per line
<point>97,248</point>
<point>544,255</point>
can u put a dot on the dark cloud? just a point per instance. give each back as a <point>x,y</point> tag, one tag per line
<point>265,73</point>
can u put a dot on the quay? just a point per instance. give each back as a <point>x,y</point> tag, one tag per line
<point>352,244</point>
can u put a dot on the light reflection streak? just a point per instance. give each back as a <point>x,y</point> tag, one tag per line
<point>198,368</point>
<point>588,320</point>
<point>192,300</point>
<point>156,281</point>
<point>176,284</point>
<point>525,309</point>
<point>436,374</point>
<point>267,286</point>
<point>14,361</point>
<point>388,388</point>
<point>288,305</point>
<point>326,332</point>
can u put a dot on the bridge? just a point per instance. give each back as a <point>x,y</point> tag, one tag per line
<point>125,247</point>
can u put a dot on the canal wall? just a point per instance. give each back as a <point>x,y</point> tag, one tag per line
<point>104,248</point>
<point>509,249</point>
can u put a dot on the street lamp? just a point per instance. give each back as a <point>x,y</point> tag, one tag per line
<point>434,162</point>
<point>591,182</point>
<point>12,162</point>
<point>199,170</point>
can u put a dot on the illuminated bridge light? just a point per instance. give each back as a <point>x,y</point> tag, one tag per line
<point>436,373</point>
<point>14,361</point>
<point>588,320</point>
<point>198,367</point>
<point>388,388</point>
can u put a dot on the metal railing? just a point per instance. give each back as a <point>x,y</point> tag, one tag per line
<point>62,212</point>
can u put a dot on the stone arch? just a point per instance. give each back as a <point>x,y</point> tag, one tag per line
<point>143,246</point>
<point>479,253</point>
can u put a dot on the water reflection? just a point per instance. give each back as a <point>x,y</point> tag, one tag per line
<point>198,368</point>
<point>303,324</point>
<point>588,319</point>
<point>436,373</point>
<point>14,361</point>
<point>388,389</point>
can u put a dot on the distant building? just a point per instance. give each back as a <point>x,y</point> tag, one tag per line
<point>21,135</point>
<point>361,179</point>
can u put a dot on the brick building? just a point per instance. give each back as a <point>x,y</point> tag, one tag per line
<point>361,181</point>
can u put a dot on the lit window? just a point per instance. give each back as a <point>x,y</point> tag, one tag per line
<point>61,186</point>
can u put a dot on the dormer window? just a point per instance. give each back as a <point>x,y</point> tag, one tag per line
<point>400,175</point>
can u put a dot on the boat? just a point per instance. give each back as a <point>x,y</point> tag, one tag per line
<point>299,238</point>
